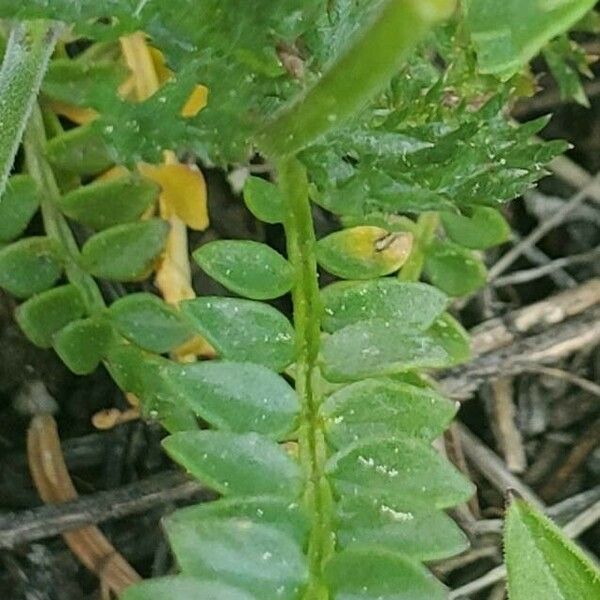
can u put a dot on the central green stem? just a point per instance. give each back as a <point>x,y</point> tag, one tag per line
<point>307,316</point>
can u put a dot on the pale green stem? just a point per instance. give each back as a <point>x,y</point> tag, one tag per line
<point>28,52</point>
<point>423,236</point>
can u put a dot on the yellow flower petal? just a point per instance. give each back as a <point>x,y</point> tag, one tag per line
<point>77,114</point>
<point>112,173</point>
<point>196,102</point>
<point>160,65</point>
<point>183,192</point>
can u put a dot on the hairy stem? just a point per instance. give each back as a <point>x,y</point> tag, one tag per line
<point>305,294</point>
<point>29,48</point>
<point>426,225</point>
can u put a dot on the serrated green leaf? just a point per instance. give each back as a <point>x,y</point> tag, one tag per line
<point>184,588</point>
<point>244,330</point>
<point>403,471</point>
<point>263,200</point>
<point>125,252</point>
<point>508,35</point>
<point>485,228</point>
<point>377,347</point>
<point>46,313</point>
<point>236,464</point>
<point>255,557</point>
<point>149,322</point>
<point>19,203</point>
<point>29,266</point>
<point>238,397</point>
<point>363,252</point>
<point>542,562</point>
<point>381,407</point>
<point>420,534</point>
<point>454,269</point>
<point>82,344</point>
<point>102,204</point>
<point>413,305</point>
<point>374,574</point>
<point>248,268</point>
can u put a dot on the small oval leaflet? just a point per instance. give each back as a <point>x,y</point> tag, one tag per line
<point>414,306</point>
<point>238,396</point>
<point>125,252</point>
<point>248,268</point>
<point>236,464</point>
<point>264,200</point>
<point>484,229</point>
<point>19,203</point>
<point>243,330</point>
<point>363,252</point>
<point>184,588</point>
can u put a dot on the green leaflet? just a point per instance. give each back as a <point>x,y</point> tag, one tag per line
<point>238,396</point>
<point>452,337</point>
<point>263,200</point>
<point>484,229</point>
<point>376,407</point>
<point>29,266</point>
<point>102,204</point>
<point>244,330</point>
<point>19,203</point>
<point>413,305</point>
<point>247,268</point>
<point>125,252</point>
<point>508,35</point>
<point>236,464</point>
<point>542,562</point>
<point>149,322</point>
<point>184,588</point>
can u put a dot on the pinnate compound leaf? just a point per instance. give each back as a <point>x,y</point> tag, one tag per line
<point>29,266</point>
<point>103,204</point>
<point>125,252</point>
<point>542,562</point>
<point>46,313</point>
<point>264,200</point>
<point>82,344</point>
<point>236,464</point>
<point>413,305</point>
<point>184,588</point>
<point>374,574</point>
<point>363,252</point>
<point>149,322</point>
<point>248,268</point>
<point>454,269</point>
<point>238,397</point>
<point>243,330</point>
<point>420,534</point>
<point>256,557</point>
<point>404,471</point>
<point>19,203</point>
<point>382,407</point>
<point>485,228</point>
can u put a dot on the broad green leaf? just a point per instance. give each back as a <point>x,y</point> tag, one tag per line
<point>263,200</point>
<point>82,344</point>
<point>542,562</point>
<point>454,269</point>
<point>412,305</point>
<point>420,534</point>
<point>236,464</point>
<point>19,203</point>
<point>184,588</point>
<point>102,204</point>
<point>452,337</point>
<point>125,252</point>
<point>374,574</point>
<point>29,266</point>
<point>485,228</point>
<point>508,34</point>
<point>381,407</point>
<point>149,322</point>
<point>256,557</point>
<point>377,347</point>
<point>238,397</point>
<point>363,252</point>
<point>46,313</point>
<point>243,330</point>
<point>404,471</point>
<point>247,268</point>
<point>288,517</point>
